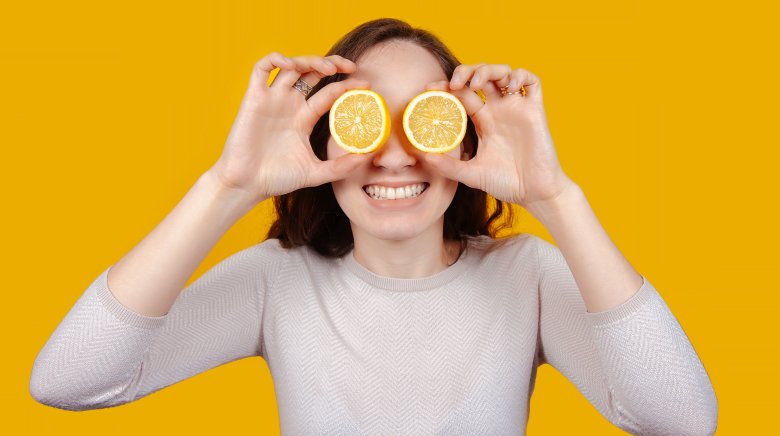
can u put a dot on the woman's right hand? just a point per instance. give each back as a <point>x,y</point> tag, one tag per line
<point>268,152</point>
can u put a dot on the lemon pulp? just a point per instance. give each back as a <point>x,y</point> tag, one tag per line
<point>435,121</point>
<point>360,121</point>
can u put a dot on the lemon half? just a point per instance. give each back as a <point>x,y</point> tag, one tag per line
<point>435,121</point>
<point>360,121</point>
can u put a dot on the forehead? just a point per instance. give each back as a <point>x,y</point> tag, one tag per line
<point>398,70</point>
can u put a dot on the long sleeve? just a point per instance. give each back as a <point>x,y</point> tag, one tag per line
<point>102,354</point>
<point>634,362</point>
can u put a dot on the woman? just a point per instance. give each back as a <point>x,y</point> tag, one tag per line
<point>384,316</point>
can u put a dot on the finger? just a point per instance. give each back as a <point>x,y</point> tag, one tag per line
<point>472,103</point>
<point>336,169</point>
<point>452,168</point>
<point>342,64</point>
<point>496,73</point>
<point>320,102</point>
<point>529,81</point>
<point>488,78</point>
<point>304,64</point>
<point>262,69</point>
<point>462,74</point>
<point>470,99</point>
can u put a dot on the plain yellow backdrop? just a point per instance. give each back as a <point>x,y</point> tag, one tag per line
<point>663,113</point>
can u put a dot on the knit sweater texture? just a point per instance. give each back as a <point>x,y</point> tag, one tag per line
<point>353,352</point>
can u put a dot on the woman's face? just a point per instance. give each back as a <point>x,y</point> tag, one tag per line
<point>398,71</point>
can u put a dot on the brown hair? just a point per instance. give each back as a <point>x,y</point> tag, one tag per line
<point>312,216</point>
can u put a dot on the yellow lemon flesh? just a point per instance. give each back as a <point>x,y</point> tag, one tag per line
<point>435,121</point>
<point>360,121</point>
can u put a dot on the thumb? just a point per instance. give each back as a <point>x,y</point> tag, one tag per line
<point>453,168</point>
<point>321,102</point>
<point>336,169</point>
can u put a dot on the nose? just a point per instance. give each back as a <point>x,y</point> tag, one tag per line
<point>397,153</point>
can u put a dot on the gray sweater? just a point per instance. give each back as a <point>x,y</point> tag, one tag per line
<point>352,352</point>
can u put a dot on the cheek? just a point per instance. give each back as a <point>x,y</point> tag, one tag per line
<point>338,188</point>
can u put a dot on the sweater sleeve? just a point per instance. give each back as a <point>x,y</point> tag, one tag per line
<point>102,354</point>
<point>633,362</point>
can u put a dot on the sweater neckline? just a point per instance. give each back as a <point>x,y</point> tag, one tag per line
<point>408,285</point>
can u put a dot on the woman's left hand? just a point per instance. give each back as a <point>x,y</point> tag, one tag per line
<point>516,159</point>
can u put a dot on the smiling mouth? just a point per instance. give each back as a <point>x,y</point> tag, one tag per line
<point>378,192</point>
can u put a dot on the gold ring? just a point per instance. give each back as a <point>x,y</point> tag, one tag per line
<point>504,90</point>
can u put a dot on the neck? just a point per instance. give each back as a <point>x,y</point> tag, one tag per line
<point>422,256</point>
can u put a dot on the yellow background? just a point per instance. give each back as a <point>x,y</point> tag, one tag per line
<point>661,112</point>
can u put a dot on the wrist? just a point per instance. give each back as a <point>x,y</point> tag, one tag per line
<point>235,201</point>
<point>549,209</point>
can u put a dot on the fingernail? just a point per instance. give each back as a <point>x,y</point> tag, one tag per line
<point>454,79</point>
<point>513,83</point>
<point>476,78</point>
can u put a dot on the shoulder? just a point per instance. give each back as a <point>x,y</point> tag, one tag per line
<point>266,262</point>
<point>272,250</point>
<point>268,256</point>
<point>510,263</point>
<point>486,245</point>
<point>523,247</point>
<point>298,258</point>
<point>508,251</point>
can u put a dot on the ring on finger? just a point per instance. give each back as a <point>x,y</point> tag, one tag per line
<point>505,91</point>
<point>303,87</point>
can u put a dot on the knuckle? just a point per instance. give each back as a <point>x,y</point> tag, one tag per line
<point>326,63</point>
<point>330,60</point>
<point>301,60</point>
<point>340,58</point>
<point>259,66</point>
<point>276,56</point>
<point>285,60</point>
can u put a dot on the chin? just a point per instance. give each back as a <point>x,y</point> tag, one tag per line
<point>389,230</point>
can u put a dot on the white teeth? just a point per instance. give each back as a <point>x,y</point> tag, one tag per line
<point>386,193</point>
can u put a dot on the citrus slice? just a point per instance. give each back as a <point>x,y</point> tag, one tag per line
<point>435,121</point>
<point>360,121</point>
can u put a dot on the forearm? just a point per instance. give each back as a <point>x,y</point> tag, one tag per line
<point>603,275</point>
<point>149,278</point>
